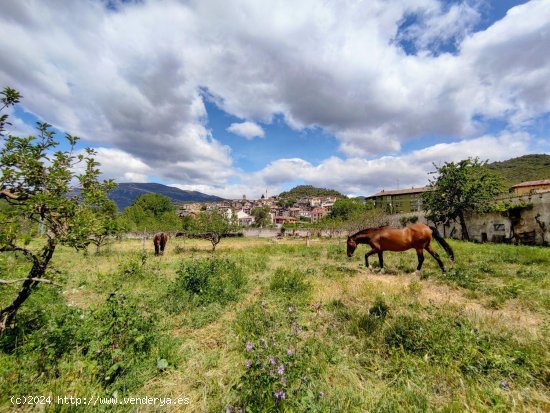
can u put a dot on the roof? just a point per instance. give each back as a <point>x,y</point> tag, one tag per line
<point>532,183</point>
<point>402,191</point>
<point>243,215</point>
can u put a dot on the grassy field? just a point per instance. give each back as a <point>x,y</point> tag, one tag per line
<point>261,325</point>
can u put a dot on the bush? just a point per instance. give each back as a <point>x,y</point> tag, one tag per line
<point>123,335</point>
<point>208,280</point>
<point>113,347</point>
<point>133,267</point>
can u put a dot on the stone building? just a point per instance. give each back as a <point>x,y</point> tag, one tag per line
<point>531,187</point>
<point>399,200</point>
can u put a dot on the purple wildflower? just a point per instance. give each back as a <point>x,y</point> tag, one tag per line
<point>249,346</point>
<point>281,369</point>
<point>228,409</point>
<point>280,394</point>
<point>272,360</point>
<point>290,352</point>
<point>248,363</point>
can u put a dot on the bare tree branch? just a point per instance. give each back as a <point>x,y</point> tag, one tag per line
<point>42,280</point>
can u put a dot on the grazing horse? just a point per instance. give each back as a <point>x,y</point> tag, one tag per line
<point>160,241</point>
<point>417,236</point>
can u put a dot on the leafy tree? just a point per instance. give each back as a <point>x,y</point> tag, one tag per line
<point>153,212</point>
<point>261,216</point>
<point>212,225</point>
<point>110,224</point>
<point>156,204</point>
<point>346,208</point>
<point>35,183</point>
<point>459,189</point>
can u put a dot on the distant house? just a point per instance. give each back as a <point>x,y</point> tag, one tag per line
<point>531,187</point>
<point>294,212</point>
<point>305,213</point>
<point>244,219</point>
<point>280,220</point>
<point>187,213</point>
<point>328,205</point>
<point>318,213</point>
<point>399,200</point>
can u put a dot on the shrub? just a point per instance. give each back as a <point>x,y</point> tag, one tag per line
<point>123,335</point>
<point>208,280</point>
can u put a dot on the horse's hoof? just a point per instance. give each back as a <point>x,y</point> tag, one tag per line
<point>382,271</point>
<point>417,272</point>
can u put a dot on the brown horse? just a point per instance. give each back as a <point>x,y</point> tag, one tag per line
<point>417,236</point>
<point>160,241</point>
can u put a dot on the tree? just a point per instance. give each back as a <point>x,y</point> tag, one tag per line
<point>212,225</point>
<point>153,212</point>
<point>459,189</point>
<point>110,224</point>
<point>346,208</point>
<point>156,204</point>
<point>35,186</point>
<point>261,216</point>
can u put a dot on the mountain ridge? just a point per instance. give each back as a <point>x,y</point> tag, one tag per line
<point>127,192</point>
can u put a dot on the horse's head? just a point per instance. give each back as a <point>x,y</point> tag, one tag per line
<point>351,246</point>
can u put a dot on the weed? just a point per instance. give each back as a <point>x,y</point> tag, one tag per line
<point>200,282</point>
<point>289,282</point>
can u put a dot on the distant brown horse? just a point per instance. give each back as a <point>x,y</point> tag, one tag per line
<point>417,236</point>
<point>160,241</point>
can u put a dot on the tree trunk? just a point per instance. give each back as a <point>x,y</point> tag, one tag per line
<point>7,314</point>
<point>464,230</point>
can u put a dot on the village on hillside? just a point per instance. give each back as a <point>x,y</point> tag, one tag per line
<point>397,202</point>
<point>308,209</point>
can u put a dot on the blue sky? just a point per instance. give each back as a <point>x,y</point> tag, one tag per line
<point>236,97</point>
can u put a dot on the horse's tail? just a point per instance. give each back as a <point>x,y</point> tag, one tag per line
<point>441,241</point>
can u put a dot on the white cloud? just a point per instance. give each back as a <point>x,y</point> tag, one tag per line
<point>248,130</point>
<point>120,166</point>
<point>17,126</point>
<point>435,26</point>
<point>362,176</point>
<point>134,80</point>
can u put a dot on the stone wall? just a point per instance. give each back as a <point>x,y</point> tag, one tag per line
<point>496,227</point>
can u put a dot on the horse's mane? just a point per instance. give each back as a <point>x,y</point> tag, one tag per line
<point>366,230</point>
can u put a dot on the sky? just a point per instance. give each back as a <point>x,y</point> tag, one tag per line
<point>240,97</point>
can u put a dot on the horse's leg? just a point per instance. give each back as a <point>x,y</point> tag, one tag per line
<point>381,261</point>
<point>420,255</point>
<point>367,255</point>
<point>436,256</point>
<point>156,248</point>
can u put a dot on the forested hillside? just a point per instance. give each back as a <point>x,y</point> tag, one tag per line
<point>309,190</point>
<point>523,168</point>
